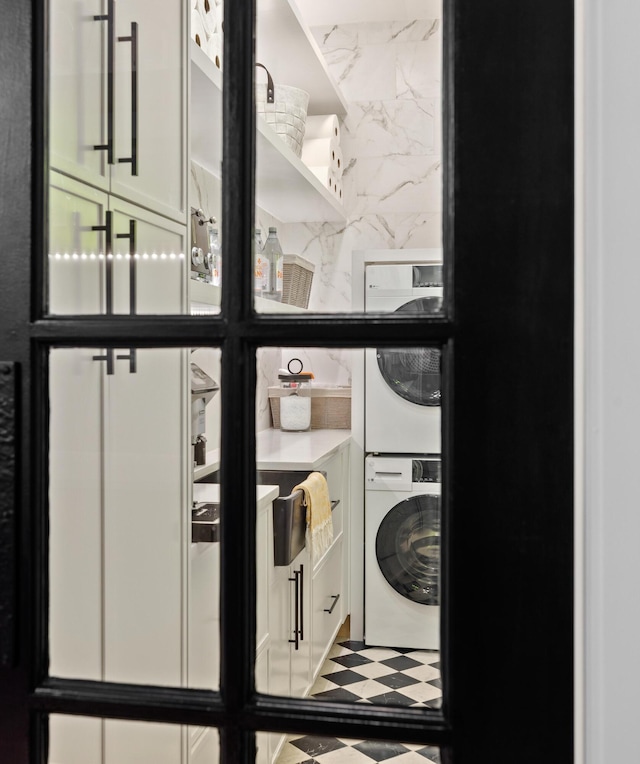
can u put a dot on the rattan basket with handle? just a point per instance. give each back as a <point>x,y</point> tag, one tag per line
<point>284,108</point>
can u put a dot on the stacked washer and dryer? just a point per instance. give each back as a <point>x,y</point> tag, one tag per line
<point>402,467</point>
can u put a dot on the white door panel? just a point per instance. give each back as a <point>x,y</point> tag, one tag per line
<point>77,78</point>
<point>160,184</point>
<point>160,264</point>
<point>76,253</point>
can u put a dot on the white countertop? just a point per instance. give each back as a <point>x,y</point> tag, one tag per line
<point>279,450</point>
<point>265,494</point>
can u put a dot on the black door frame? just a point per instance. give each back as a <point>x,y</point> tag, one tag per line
<point>508,341</point>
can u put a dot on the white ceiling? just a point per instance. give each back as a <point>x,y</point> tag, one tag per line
<point>324,12</point>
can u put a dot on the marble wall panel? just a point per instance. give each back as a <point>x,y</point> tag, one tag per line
<point>412,30</point>
<point>399,184</point>
<point>330,366</point>
<point>389,128</point>
<point>392,145</point>
<point>418,69</point>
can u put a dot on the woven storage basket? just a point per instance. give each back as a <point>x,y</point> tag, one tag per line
<point>284,108</point>
<point>297,275</point>
<point>330,407</point>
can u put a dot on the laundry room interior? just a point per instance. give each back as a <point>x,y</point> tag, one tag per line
<point>348,218</point>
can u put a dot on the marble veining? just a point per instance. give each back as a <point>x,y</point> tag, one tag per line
<point>390,128</point>
<point>390,73</point>
<point>418,70</point>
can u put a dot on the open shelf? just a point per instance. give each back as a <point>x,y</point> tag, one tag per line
<point>285,45</point>
<point>285,187</point>
<point>205,299</point>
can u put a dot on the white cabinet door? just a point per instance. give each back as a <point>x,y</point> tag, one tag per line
<point>263,739</point>
<point>289,660</point>
<point>159,268</point>
<point>75,497</point>
<point>280,631</point>
<point>146,514</point>
<point>301,656</point>
<point>78,84</point>
<point>328,604</point>
<point>76,252</point>
<point>158,111</point>
<point>206,750</point>
<point>139,743</point>
<point>204,616</point>
<point>264,536</point>
<point>74,740</point>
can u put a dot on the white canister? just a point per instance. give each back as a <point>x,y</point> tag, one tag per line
<point>295,411</point>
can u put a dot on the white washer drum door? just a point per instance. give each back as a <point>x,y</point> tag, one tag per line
<point>408,549</point>
<point>403,393</point>
<point>414,373</point>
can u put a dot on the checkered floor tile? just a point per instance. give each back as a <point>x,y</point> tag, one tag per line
<point>384,675</point>
<point>361,674</point>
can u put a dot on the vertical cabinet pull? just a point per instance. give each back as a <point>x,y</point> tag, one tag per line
<point>296,627</point>
<point>131,235</point>
<point>133,39</point>
<point>110,18</point>
<point>108,259</point>
<point>301,602</point>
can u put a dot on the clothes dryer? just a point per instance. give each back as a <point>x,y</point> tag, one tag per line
<point>402,385</point>
<point>402,552</point>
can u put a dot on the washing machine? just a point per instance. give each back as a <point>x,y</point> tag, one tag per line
<point>402,551</point>
<point>402,385</point>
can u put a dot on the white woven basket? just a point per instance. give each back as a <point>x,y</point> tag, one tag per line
<point>285,109</point>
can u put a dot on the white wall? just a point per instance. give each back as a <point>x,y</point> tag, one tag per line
<point>612,471</point>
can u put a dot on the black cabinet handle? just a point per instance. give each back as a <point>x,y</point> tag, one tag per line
<point>296,627</point>
<point>108,357</point>
<point>301,602</point>
<point>110,18</point>
<point>131,235</point>
<point>133,39</point>
<point>108,259</point>
<point>132,357</point>
<point>336,597</point>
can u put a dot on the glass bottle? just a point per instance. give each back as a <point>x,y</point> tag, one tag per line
<point>215,255</point>
<point>272,254</point>
<point>259,264</point>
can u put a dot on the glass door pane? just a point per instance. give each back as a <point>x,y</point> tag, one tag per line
<point>134,543</point>
<point>349,151</point>
<point>349,447</point>
<point>135,148</point>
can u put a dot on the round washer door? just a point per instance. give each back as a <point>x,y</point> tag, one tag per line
<point>414,373</point>
<point>408,548</point>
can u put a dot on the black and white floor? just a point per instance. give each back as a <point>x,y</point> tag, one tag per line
<point>382,675</point>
